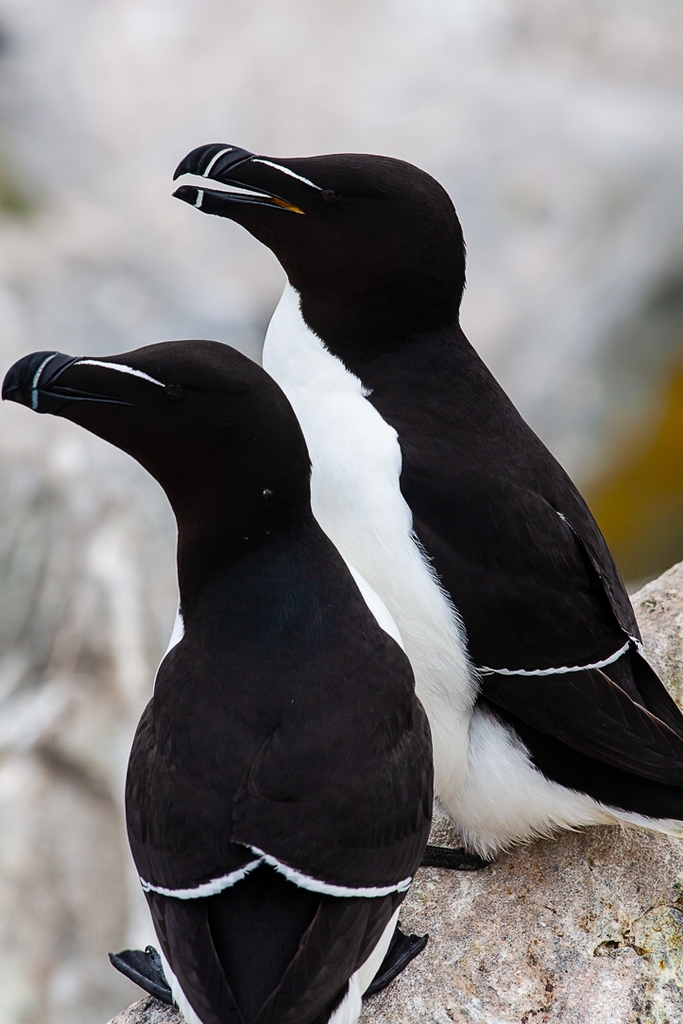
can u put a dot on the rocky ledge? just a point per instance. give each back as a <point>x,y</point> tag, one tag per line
<point>587,927</point>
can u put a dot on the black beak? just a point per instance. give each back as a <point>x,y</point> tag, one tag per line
<point>28,380</point>
<point>214,160</point>
<point>34,381</point>
<point>218,162</point>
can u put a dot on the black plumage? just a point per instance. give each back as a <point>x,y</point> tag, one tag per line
<point>278,796</point>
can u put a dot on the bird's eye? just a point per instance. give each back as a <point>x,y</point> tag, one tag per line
<point>328,195</point>
<point>174,390</point>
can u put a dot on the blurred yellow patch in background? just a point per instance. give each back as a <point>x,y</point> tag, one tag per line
<point>639,507</point>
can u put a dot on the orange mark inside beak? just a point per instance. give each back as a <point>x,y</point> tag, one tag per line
<point>285,205</point>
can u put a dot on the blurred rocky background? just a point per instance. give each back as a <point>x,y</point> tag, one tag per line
<point>556,129</point>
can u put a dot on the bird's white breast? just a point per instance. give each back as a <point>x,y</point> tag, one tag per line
<point>357,500</point>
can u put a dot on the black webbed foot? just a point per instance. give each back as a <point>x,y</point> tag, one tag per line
<point>455,857</point>
<point>402,949</point>
<point>144,969</point>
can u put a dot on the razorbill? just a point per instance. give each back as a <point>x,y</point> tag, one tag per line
<point>525,647</point>
<point>279,789</point>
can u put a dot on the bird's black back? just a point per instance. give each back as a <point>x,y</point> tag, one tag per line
<point>285,721</point>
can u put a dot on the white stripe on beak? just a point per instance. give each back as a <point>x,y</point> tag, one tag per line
<point>219,154</point>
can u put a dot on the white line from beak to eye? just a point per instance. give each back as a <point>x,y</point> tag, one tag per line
<point>286,170</point>
<point>36,379</point>
<point>120,368</point>
<point>219,154</point>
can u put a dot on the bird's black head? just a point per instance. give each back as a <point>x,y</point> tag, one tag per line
<point>369,242</point>
<point>209,424</point>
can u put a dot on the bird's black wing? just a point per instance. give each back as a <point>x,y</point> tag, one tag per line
<point>528,593</point>
<point>593,715</point>
<point>357,820</point>
<point>534,597</point>
<point>185,938</point>
<point>341,937</point>
<point>487,499</point>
